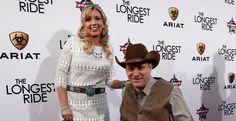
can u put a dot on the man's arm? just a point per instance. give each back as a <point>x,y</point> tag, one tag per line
<point>180,110</point>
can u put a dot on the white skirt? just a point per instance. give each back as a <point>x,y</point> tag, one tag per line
<point>86,108</point>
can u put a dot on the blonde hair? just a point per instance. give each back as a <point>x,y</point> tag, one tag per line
<point>88,46</point>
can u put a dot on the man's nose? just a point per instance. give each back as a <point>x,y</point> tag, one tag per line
<point>136,72</point>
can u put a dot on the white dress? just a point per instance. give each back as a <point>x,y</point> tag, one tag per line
<point>75,68</point>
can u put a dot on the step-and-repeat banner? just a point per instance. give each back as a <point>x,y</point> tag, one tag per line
<point>196,40</point>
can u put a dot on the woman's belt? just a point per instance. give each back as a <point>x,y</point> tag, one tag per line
<point>89,91</point>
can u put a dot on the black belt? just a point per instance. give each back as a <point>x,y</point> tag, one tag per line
<point>89,91</point>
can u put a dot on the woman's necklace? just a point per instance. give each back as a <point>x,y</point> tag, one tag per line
<point>97,52</point>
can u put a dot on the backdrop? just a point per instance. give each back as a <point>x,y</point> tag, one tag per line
<point>196,40</point>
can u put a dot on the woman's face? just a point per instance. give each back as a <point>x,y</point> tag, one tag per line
<point>94,24</point>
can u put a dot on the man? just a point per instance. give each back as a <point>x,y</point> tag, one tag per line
<point>149,98</point>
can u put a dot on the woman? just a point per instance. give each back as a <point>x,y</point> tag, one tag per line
<point>84,69</point>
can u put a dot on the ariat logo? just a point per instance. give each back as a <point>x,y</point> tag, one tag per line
<point>173,12</point>
<point>231,85</point>
<point>231,77</point>
<point>19,39</point>
<point>83,4</point>
<point>200,48</point>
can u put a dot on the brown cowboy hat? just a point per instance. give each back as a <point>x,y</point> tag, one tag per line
<point>136,53</point>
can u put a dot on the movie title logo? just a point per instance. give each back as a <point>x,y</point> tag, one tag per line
<point>202,112</point>
<point>227,53</point>
<point>227,108</point>
<point>34,6</point>
<point>206,22</point>
<point>232,26</point>
<point>231,2</point>
<point>31,93</point>
<point>135,14</point>
<point>200,49</point>
<point>63,41</point>
<point>230,77</point>
<point>175,81</point>
<point>168,52</point>
<point>19,40</point>
<point>204,83</point>
<point>173,13</point>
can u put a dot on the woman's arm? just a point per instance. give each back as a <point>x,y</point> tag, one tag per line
<point>117,84</point>
<point>61,79</point>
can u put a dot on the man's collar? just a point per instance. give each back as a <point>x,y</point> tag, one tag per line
<point>147,88</point>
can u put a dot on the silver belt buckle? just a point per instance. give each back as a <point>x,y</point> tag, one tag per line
<point>90,91</point>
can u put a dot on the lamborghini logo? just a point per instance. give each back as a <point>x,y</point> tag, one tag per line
<point>19,39</point>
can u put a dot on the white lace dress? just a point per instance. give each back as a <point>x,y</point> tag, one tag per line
<point>75,68</point>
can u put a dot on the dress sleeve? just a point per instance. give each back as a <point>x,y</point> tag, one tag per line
<point>112,74</point>
<point>63,65</point>
<point>180,110</point>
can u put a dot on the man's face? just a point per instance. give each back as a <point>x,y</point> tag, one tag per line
<point>139,74</point>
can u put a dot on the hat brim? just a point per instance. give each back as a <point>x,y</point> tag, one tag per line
<point>152,57</point>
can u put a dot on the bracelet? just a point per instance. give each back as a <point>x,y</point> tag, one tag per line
<point>67,120</point>
<point>64,108</point>
<point>122,84</point>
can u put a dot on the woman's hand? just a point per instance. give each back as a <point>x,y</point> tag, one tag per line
<point>118,84</point>
<point>66,113</point>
